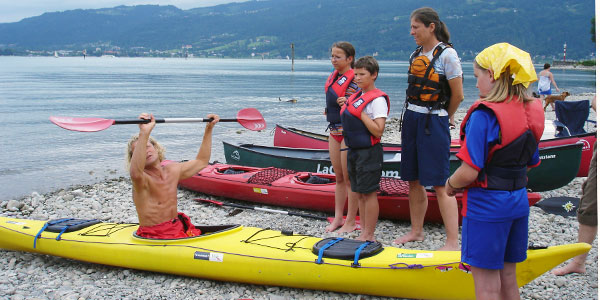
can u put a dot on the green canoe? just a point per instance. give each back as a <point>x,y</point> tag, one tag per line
<point>559,163</point>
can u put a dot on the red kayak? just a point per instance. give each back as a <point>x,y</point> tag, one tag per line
<point>296,138</point>
<point>282,187</point>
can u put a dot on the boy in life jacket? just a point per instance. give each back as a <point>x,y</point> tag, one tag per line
<point>499,143</point>
<point>155,185</point>
<point>363,118</point>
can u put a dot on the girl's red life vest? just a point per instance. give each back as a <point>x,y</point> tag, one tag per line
<point>356,134</point>
<point>336,87</point>
<point>521,127</point>
<point>425,86</point>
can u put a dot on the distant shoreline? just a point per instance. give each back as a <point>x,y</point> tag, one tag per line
<point>574,67</point>
<point>570,67</point>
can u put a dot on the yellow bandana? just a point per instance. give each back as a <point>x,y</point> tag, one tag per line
<point>502,55</point>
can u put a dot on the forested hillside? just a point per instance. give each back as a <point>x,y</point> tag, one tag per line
<point>267,28</point>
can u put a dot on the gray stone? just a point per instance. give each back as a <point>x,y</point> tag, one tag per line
<point>14,205</point>
<point>560,282</point>
<point>11,263</point>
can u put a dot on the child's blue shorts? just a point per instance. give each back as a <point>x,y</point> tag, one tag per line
<point>489,245</point>
<point>425,157</point>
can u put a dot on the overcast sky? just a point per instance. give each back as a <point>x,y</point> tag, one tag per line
<point>16,10</point>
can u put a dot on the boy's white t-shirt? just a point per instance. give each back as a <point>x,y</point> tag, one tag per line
<point>377,108</point>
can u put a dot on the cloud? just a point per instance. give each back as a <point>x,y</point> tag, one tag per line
<point>14,11</point>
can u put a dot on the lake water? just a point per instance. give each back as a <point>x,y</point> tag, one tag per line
<point>38,156</point>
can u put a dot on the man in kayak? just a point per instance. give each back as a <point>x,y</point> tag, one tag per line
<point>155,185</point>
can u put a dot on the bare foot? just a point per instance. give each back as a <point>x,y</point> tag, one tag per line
<point>335,224</point>
<point>569,269</point>
<point>410,237</point>
<point>366,238</point>
<point>347,228</point>
<point>449,247</point>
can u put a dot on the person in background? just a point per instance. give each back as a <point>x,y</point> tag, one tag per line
<point>546,77</point>
<point>499,142</point>
<point>433,95</point>
<point>155,185</point>
<point>363,118</point>
<point>587,216</point>
<point>339,86</point>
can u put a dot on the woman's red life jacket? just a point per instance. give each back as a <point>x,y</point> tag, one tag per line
<point>521,127</point>
<point>336,87</point>
<point>356,134</point>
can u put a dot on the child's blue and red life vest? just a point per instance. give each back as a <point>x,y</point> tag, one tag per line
<point>334,88</point>
<point>521,127</point>
<point>356,134</point>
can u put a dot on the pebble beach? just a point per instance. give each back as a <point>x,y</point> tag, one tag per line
<point>34,276</point>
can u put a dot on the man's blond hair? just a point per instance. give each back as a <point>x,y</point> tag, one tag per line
<point>159,149</point>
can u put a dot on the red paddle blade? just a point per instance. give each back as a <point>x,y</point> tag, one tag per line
<point>251,119</point>
<point>82,124</point>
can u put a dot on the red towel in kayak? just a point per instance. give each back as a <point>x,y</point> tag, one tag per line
<point>179,227</point>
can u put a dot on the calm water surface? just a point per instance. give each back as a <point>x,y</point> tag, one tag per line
<point>39,156</point>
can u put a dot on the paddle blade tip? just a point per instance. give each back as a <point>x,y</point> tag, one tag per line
<point>251,119</point>
<point>82,124</point>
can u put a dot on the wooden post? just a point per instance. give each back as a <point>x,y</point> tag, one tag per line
<point>292,46</point>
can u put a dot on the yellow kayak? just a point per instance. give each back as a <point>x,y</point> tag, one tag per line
<point>268,257</point>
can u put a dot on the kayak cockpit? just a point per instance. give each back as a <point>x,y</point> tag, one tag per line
<point>232,170</point>
<point>316,178</point>
<point>207,230</point>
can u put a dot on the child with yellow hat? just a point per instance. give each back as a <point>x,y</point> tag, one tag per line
<point>499,143</point>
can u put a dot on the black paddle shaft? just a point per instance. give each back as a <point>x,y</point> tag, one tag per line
<point>267,210</point>
<point>169,120</point>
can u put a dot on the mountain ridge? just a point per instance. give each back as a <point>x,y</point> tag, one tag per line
<point>267,28</point>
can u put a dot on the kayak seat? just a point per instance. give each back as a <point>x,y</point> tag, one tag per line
<point>268,175</point>
<point>346,249</point>
<point>231,171</point>
<point>314,179</point>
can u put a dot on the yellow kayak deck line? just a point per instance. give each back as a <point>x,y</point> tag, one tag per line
<point>268,257</point>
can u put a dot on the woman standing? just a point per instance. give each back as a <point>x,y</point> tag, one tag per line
<point>546,77</point>
<point>339,87</point>
<point>433,95</point>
